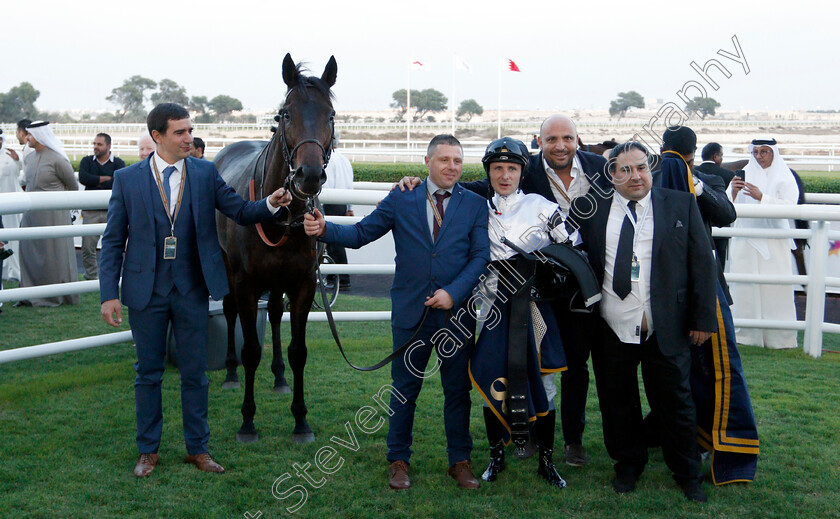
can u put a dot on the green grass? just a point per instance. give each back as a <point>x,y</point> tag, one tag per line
<point>67,449</point>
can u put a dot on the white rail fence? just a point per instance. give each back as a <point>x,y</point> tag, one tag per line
<point>369,193</point>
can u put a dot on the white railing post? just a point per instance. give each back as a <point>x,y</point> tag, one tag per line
<point>815,298</point>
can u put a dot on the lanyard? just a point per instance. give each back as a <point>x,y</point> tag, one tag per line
<point>163,195</point>
<point>640,224</point>
<point>434,209</point>
<point>557,186</point>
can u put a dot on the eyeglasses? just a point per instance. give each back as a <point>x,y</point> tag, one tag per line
<point>762,152</point>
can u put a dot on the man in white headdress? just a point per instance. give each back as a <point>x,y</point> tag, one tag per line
<point>767,181</point>
<point>9,170</point>
<point>50,261</point>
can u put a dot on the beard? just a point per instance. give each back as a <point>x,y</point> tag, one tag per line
<point>555,165</point>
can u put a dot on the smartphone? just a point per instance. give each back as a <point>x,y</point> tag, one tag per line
<point>740,174</point>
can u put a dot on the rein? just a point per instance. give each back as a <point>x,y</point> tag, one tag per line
<point>331,320</point>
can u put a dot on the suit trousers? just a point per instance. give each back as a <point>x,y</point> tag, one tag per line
<point>668,390</point>
<point>452,362</point>
<point>576,331</point>
<point>187,314</point>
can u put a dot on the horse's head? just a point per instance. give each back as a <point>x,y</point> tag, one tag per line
<point>306,127</point>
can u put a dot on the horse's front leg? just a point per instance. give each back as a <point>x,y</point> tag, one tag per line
<point>278,367</point>
<point>301,302</point>
<point>246,301</point>
<point>231,362</point>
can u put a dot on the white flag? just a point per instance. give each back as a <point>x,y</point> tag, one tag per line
<point>420,65</point>
<point>461,64</point>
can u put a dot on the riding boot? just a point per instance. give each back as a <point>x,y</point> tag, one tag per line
<point>544,429</point>
<point>497,445</point>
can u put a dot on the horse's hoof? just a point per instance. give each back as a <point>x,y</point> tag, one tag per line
<point>230,384</point>
<point>307,437</point>
<point>247,437</point>
<point>283,389</point>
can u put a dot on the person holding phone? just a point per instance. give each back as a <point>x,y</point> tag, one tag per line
<point>766,180</point>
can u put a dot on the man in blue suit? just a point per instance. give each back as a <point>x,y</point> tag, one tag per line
<point>164,208</point>
<point>440,234</point>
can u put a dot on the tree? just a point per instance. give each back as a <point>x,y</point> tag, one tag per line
<point>423,102</point>
<point>469,108</point>
<point>131,95</point>
<point>170,92</point>
<point>626,101</point>
<point>428,100</point>
<point>223,105</point>
<point>703,105</point>
<point>19,102</point>
<point>198,104</point>
<point>399,102</point>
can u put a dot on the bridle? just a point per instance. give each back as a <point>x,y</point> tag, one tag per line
<point>261,173</point>
<point>289,155</point>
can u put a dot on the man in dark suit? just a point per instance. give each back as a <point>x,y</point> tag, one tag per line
<point>442,245</point>
<point>712,156</point>
<point>164,207</point>
<point>653,257</point>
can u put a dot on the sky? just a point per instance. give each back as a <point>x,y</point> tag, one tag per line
<point>572,55</point>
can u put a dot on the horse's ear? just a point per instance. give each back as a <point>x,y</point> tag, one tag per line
<point>290,72</point>
<point>330,72</point>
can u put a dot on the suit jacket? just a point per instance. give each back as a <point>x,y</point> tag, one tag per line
<point>454,262</point>
<point>710,168</point>
<point>536,181</point>
<point>682,283</point>
<point>130,218</point>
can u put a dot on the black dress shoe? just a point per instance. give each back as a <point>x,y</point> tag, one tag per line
<point>693,491</point>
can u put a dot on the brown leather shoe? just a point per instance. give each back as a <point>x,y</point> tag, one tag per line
<point>398,476</point>
<point>463,474</point>
<point>146,464</point>
<point>204,463</point>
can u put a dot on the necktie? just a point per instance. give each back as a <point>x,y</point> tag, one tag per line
<point>166,174</point>
<point>440,196</point>
<point>624,255</point>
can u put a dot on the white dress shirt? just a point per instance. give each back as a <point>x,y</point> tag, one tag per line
<point>579,185</point>
<point>175,181</point>
<point>625,316</point>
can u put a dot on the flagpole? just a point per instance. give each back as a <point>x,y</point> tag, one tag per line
<point>499,128</point>
<point>408,111</point>
<point>454,66</point>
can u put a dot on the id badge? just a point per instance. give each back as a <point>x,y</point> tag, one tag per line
<point>170,245</point>
<point>634,268</point>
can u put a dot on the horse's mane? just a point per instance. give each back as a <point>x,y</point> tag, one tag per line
<point>307,82</point>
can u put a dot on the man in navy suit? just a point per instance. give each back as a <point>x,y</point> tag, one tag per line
<point>440,234</point>
<point>652,255</point>
<point>164,208</point>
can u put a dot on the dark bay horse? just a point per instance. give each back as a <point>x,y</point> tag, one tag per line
<point>277,256</point>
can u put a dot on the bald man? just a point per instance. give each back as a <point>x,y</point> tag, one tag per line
<point>560,172</point>
<point>145,146</point>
